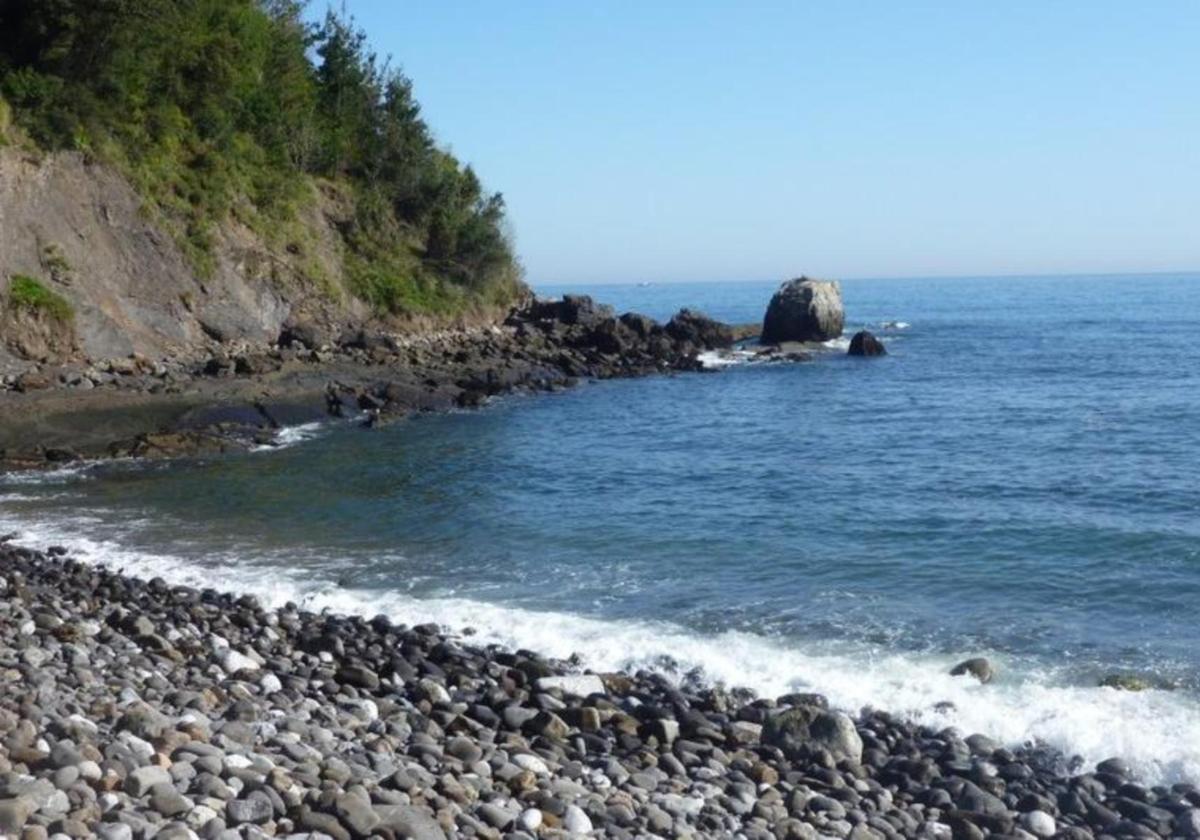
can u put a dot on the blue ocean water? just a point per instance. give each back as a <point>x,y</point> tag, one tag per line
<point>1016,479</point>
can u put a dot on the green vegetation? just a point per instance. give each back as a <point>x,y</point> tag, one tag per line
<point>54,261</point>
<point>27,293</point>
<point>233,109</point>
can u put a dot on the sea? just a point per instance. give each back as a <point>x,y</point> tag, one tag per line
<point>1019,478</point>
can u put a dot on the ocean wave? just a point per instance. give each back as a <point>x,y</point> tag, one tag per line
<point>291,435</point>
<point>1155,731</point>
<point>58,475</point>
<point>717,359</point>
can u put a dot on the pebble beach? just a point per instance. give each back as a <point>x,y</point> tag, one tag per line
<point>134,709</point>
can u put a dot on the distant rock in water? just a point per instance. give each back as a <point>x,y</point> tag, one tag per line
<point>865,343</point>
<point>804,310</point>
<point>977,667</point>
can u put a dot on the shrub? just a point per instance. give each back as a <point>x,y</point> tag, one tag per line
<point>27,293</point>
<point>228,109</point>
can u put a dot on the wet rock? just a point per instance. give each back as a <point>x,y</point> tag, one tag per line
<point>977,667</point>
<point>866,344</point>
<point>1125,682</point>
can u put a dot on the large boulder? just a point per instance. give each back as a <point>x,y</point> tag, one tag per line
<point>697,328</point>
<point>801,729</point>
<point>804,310</point>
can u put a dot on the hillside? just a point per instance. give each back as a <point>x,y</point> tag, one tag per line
<point>183,173</point>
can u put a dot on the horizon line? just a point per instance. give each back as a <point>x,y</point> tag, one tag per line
<point>880,277</point>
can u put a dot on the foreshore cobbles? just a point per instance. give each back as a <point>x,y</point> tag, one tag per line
<point>135,709</point>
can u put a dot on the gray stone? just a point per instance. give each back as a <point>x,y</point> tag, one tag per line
<point>356,814</point>
<point>113,831</point>
<point>139,781</point>
<point>576,821</point>
<point>804,728</point>
<point>233,662</point>
<point>409,821</point>
<point>14,813</point>
<point>804,310</point>
<point>168,801</point>
<point>495,816</point>
<point>255,809</point>
<point>1039,824</point>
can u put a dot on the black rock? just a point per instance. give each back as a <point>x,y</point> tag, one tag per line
<point>697,328</point>
<point>865,344</point>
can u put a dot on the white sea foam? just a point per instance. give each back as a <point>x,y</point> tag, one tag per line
<point>292,435</point>
<point>894,325</point>
<point>1157,732</point>
<point>58,475</point>
<point>717,359</point>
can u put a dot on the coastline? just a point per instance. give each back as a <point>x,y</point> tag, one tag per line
<point>236,398</point>
<point>175,709</point>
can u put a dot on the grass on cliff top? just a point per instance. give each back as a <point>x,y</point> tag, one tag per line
<point>27,293</point>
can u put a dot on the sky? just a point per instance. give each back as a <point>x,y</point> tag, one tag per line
<point>675,141</point>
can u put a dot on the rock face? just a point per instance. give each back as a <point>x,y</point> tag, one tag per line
<point>865,343</point>
<point>804,310</point>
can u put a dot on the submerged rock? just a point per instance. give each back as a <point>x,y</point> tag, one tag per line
<point>1125,682</point>
<point>865,343</point>
<point>978,667</point>
<point>804,310</point>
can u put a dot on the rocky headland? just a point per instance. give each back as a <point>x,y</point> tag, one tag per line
<point>216,396</point>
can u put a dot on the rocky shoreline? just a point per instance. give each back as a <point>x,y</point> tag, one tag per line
<point>136,709</point>
<point>234,396</point>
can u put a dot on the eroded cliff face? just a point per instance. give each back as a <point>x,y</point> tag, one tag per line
<point>80,229</point>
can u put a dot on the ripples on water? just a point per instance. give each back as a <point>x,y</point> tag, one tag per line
<point>1017,478</point>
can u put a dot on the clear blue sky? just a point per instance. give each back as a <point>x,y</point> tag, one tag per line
<point>756,140</point>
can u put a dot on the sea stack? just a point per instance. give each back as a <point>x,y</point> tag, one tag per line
<point>804,310</point>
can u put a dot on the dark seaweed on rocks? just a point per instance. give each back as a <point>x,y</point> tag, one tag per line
<point>136,709</point>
